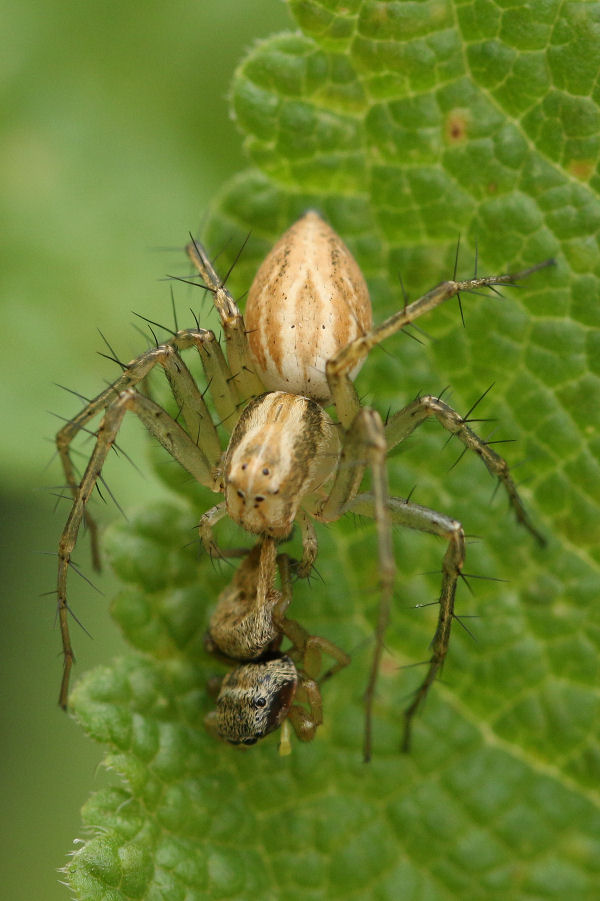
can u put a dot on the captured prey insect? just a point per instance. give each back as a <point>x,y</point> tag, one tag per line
<point>247,628</point>
<point>308,330</point>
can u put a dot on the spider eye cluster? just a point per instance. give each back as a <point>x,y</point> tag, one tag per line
<point>255,698</point>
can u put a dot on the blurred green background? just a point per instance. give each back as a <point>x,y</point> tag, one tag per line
<point>116,136</point>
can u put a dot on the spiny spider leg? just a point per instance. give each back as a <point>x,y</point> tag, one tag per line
<point>338,371</point>
<point>188,397</point>
<point>405,421</point>
<point>242,367</point>
<point>341,365</point>
<point>200,459</point>
<point>364,444</point>
<point>422,519</point>
<point>171,436</point>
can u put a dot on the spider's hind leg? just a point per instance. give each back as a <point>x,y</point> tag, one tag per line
<point>364,445</point>
<point>422,519</point>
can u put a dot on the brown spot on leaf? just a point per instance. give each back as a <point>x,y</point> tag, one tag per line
<point>582,169</point>
<point>456,126</point>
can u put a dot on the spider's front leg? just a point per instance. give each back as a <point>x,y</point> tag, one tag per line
<point>349,357</point>
<point>173,438</point>
<point>190,400</point>
<point>243,370</point>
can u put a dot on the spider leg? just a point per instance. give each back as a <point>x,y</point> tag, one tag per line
<point>307,649</point>
<point>244,378</point>
<point>187,395</point>
<point>364,444</point>
<point>305,722</point>
<point>205,529</point>
<point>175,440</point>
<point>66,434</point>
<point>342,364</point>
<point>190,401</point>
<point>405,421</point>
<point>422,519</point>
<point>310,545</point>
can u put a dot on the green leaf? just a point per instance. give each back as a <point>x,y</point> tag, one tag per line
<point>404,124</point>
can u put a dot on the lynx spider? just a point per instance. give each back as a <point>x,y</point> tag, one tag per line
<point>246,629</point>
<point>309,331</point>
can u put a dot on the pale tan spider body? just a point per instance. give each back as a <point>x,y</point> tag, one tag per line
<point>309,324</point>
<point>283,448</point>
<point>308,299</point>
